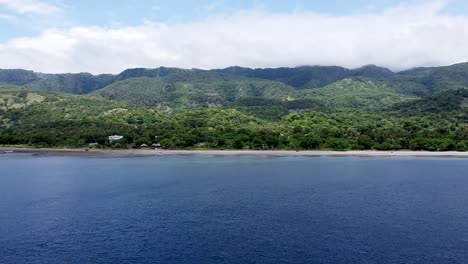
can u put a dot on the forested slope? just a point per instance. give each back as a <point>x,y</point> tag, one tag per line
<point>239,108</point>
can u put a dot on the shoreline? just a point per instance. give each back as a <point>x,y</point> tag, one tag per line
<point>270,153</point>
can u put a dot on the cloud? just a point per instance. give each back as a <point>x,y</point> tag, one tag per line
<point>7,17</point>
<point>30,7</point>
<point>400,37</point>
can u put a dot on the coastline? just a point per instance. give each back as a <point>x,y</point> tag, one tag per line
<point>271,153</point>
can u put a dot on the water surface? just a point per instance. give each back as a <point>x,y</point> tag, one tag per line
<point>195,209</point>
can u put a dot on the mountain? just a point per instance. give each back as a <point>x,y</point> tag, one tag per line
<point>55,119</point>
<point>14,97</point>
<point>206,89</point>
<point>150,73</point>
<point>345,95</point>
<point>300,77</point>
<point>417,82</point>
<point>7,87</point>
<point>441,102</point>
<point>309,76</point>
<point>76,83</point>
<point>17,76</point>
<point>192,89</point>
<point>84,83</point>
<point>44,119</point>
<point>426,81</point>
<point>356,93</point>
<point>81,83</point>
<point>373,72</point>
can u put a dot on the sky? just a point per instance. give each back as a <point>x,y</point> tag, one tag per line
<point>107,36</point>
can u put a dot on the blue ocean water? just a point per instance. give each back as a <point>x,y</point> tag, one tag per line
<point>195,209</point>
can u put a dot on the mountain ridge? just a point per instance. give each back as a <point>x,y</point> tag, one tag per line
<point>417,81</point>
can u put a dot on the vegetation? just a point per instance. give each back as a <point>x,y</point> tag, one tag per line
<point>426,81</point>
<point>419,81</point>
<point>200,89</point>
<point>239,108</point>
<point>309,76</point>
<point>356,93</point>
<point>81,83</point>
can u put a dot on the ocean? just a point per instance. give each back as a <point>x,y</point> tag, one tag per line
<point>202,209</point>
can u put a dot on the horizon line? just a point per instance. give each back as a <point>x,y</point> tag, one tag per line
<point>244,67</point>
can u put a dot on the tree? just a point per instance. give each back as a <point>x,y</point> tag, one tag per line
<point>310,141</point>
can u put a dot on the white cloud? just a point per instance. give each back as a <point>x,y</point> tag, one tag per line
<point>400,37</point>
<point>30,7</point>
<point>7,17</point>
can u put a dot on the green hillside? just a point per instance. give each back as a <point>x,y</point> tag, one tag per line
<point>17,76</point>
<point>182,91</point>
<point>58,120</point>
<point>345,95</point>
<point>299,77</point>
<point>426,81</point>
<point>53,119</point>
<point>266,99</point>
<point>417,82</point>
<point>6,87</point>
<point>81,83</point>
<point>14,97</point>
<point>239,108</point>
<point>356,93</point>
<point>441,102</point>
<point>309,76</point>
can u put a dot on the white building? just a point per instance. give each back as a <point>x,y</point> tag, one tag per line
<point>115,138</point>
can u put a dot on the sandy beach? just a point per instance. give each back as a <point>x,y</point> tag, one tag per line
<point>273,153</point>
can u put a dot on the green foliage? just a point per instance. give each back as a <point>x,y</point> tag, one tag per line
<point>81,83</point>
<point>447,101</point>
<point>195,109</point>
<point>310,142</point>
<point>17,76</point>
<point>426,81</point>
<point>8,87</point>
<point>356,93</point>
<point>419,82</point>
<point>308,76</point>
<point>65,120</point>
<point>348,94</point>
<point>198,89</point>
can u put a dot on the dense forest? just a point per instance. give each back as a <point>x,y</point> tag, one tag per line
<point>310,107</point>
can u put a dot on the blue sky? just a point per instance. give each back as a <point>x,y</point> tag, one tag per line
<point>127,11</point>
<point>109,36</point>
<point>134,12</point>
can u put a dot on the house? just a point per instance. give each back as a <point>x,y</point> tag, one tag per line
<point>115,138</point>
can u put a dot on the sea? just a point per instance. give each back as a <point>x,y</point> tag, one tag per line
<point>232,209</point>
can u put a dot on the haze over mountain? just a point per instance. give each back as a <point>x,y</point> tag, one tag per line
<point>103,37</point>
